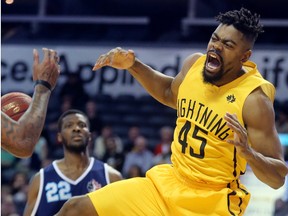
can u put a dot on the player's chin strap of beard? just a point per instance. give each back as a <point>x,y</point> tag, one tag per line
<point>45,83</point>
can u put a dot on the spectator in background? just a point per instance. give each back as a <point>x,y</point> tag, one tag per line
<point>19,180</point>
<point>100,142</point>
<point>282,119</point>
<point>19,186</point>
<point>13,165</point>
<point>8,161</point>
<point>282,124</point>
<point>29,165</point>
<point>133,133</point>
<point>8,207</point>
<point>162,150</point>
<point>42,147</point>
<point>73,90</point>
<point>113,157</point>
<point>134,171</point>
<point>139,156</point>
<point>94,117</point>
<point>5,190</point>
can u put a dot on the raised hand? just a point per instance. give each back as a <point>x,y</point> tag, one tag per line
<point>116,58</point>
<point>48,70</point>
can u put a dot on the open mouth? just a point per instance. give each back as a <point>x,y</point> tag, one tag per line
<point>213,62</point>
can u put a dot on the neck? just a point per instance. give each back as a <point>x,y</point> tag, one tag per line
<point>76,160</point>
<point>230,78</point>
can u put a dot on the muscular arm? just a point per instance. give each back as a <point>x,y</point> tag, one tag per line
<point>160,86</point>
<point>157,84</point>
<point>19,138</point>
<point>266,159</point>
<point>32,195</point>
<point>264,155</point>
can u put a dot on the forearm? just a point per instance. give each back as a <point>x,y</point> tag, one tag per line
<point>20,138</point>
<point>156,84</point>
<point>269,170</point>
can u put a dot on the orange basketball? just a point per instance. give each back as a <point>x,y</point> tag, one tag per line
<point>15,104</point>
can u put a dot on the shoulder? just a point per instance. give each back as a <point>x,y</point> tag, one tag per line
<point>258,97</point>
<point>35,181</point>
<point>51,167</point>
<point>189,62</point>
<point>114,175</point>
<point>36,176</point>
<point>258,107</point>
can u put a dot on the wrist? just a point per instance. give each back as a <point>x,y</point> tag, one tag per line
<point>250,155</point>
<point>134,64</point>
<point>43,83</point>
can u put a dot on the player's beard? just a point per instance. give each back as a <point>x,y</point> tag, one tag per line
<point>75,148</point>
<point>214,76</point>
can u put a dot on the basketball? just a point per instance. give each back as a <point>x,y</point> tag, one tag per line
<point>15,104</point>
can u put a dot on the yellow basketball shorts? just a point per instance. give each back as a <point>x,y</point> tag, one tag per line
<point>163,192</point>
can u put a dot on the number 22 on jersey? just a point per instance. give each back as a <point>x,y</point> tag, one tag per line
<point>58,191</point>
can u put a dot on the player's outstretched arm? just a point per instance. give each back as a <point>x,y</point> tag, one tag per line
<point>19,138</point>
<point>160,86</point>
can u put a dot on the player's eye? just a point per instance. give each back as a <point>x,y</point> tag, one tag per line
<point>213,38</point>
<point>82,125</point>
<point>69,125</point>
<point>228,45</point>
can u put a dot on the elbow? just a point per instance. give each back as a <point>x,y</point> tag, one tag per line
<point>24,149</point>
<point>19,144</point>
<point>278,185</point>
<point>27,151</point>
<point>24,153</point>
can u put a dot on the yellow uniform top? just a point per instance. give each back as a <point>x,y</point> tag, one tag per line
<point>199,150</point>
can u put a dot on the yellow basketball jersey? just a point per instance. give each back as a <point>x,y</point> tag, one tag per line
<point>199,150</point>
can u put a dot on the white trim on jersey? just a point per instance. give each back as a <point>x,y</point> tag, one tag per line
<point>35,208</point>
<point>106,173</point>
<point>73,182</point>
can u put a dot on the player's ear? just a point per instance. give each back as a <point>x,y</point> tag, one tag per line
<point>59,137</point>
<point>246,56</point>
<point>90,137</point>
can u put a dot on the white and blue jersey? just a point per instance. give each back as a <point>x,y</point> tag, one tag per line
<point>55,188</point>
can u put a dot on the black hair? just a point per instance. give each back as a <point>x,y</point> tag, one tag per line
<point>69,112</point>
<point>244,21</point>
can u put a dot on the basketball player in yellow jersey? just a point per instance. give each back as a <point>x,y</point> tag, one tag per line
<point>225,120</point>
